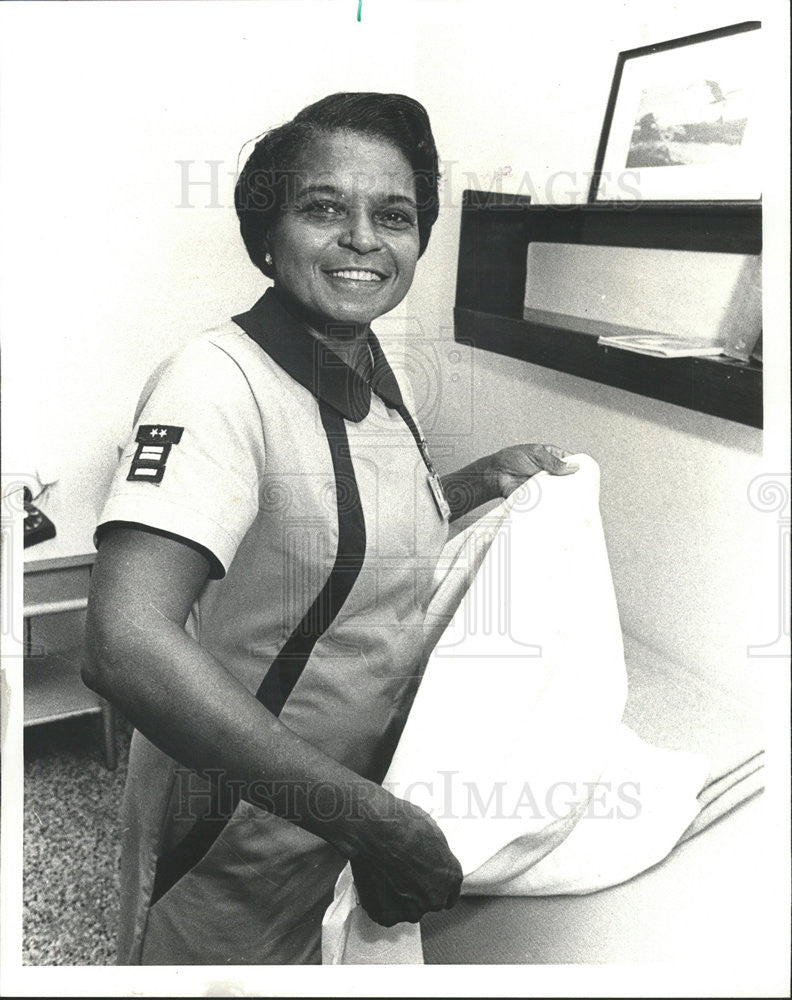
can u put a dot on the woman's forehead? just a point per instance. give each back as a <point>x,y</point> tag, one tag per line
<point>349,164</point>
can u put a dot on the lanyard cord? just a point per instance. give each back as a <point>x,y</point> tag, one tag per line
<point>404,413</point>
<point>378,360</point>
<point>432,478</point>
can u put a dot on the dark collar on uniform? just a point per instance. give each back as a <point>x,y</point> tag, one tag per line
<point>315,365</point>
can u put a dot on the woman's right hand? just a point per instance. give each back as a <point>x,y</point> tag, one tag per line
<point>407,868</point>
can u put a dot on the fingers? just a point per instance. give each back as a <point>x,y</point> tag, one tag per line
<point>407,911</point>
<point>453,896</point>
<point>388,908</point>
<point>387,902</point>
<point>555,461</point>
<point>409,872</point>
<point>520,462</point>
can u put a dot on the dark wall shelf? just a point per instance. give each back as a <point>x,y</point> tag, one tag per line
<point>495,234</point>
<point>719,386</point>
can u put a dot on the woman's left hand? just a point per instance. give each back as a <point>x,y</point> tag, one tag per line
<point>512,466</point>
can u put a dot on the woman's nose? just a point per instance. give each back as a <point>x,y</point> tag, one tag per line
<point>360,234</point>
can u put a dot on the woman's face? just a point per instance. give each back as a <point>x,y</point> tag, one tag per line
<point>345,244</point>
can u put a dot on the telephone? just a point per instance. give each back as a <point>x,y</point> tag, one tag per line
<point>38,527</point>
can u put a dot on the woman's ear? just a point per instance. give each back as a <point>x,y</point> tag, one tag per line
<point>267,258</point>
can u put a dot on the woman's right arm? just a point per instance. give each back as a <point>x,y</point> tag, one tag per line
<point>186,703</point>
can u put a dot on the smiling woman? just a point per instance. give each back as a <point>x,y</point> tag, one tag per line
<point>337,207</point>
<point>346,251</point>
<point>258,600</point>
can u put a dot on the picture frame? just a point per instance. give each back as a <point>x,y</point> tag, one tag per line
<point>682,121</point>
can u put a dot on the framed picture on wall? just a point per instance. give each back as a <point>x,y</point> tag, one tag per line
<point>682,121</point>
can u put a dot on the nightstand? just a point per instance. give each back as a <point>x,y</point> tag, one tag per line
<point>53,686</point>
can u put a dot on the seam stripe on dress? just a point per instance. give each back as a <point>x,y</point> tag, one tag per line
<point>286,668</point>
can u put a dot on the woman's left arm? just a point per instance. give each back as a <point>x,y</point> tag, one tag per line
<point>499,474</point>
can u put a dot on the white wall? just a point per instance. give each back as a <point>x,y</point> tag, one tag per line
<point>104,274</point>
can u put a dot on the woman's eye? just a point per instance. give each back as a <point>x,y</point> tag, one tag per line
<point>322,209</point>
<point>396,219</point>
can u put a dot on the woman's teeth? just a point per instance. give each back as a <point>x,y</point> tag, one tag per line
<point>356,275</point>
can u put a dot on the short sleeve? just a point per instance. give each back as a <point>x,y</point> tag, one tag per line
<point>195,461</point>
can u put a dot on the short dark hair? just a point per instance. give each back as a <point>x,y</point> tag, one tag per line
<point>395,118</point>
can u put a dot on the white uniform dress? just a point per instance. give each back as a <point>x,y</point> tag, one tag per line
<point>304,486</point>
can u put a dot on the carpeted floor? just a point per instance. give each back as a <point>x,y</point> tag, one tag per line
<point>71,845</point>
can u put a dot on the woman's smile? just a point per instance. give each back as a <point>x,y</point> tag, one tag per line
<point>357,275</point>
<point>346,243</point>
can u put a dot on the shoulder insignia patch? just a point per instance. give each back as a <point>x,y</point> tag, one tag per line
<point>154,442</point>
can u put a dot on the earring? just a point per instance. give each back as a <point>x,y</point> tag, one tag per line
<point>268,259</point>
